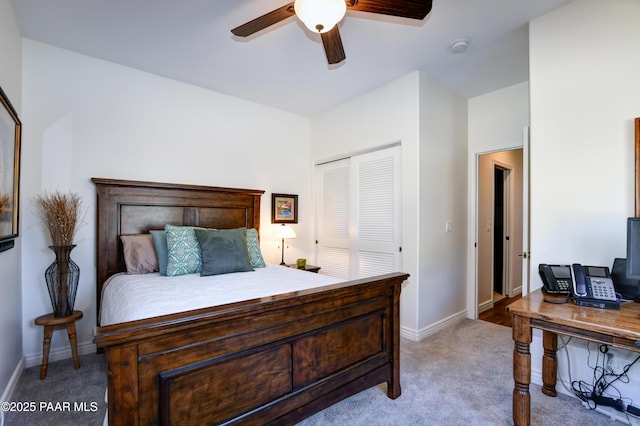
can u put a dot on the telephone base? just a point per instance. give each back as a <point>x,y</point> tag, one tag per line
<point>597,303</point>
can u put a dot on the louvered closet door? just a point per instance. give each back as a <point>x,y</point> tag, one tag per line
<point>376,246</point>
<point>332,213</point>
<point>358,212</point>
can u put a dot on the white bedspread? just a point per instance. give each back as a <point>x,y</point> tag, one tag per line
<point>128,297</point>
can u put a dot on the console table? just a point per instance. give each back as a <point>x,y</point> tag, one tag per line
<point>607,326</point>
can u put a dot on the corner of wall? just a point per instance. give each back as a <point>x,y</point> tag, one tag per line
<point>10,261</point>
<point>13,381</point>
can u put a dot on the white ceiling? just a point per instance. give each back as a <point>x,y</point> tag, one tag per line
<point>285,66</point>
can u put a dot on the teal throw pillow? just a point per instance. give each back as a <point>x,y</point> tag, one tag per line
<point>183,250</point>
<point>160,244</point>
<point>223,251</point>
<point>253,247</point>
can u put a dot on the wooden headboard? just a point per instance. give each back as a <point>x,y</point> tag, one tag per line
<point>130,207</point>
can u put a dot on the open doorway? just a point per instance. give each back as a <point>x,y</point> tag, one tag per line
<point>499,226</point>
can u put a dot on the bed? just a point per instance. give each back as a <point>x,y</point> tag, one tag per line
<point>273,359</point>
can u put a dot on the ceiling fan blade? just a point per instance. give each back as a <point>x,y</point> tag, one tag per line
<point>414,9</point>
<point>264,21</point>
<point>333,46</point>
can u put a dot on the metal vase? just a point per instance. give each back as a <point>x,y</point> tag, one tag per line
<point>62,281</point>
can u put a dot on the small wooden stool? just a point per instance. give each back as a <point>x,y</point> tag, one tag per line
<point>50,323</point>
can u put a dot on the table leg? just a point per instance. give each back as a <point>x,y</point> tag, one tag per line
<point>71,331</point>
<point>521,327</point>
<point>549,362</point>
<point>46,345</point>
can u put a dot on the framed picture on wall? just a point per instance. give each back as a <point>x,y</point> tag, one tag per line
<point>10,128</point>
<point>284,208</point>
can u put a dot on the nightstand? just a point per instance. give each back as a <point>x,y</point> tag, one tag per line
<point>309,268</point>
<point>50,323</point>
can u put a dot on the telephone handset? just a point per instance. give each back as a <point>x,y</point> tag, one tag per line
<point>579,281</point>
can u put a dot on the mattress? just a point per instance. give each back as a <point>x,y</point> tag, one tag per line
<point>130,297</point>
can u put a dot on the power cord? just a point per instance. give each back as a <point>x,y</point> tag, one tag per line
<point>563,345</point>
<point>604,378</point>
<point>584,391</point>
<point>556,301</point>
<point>568,297</point>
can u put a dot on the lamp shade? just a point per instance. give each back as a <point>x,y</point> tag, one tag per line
<point>320,15</point>
<point>285,231</point>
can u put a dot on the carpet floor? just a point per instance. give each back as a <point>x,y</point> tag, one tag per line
<point>459,376</point>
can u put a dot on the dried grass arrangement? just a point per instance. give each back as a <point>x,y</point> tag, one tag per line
<point>6,207</point>
<point>61,213</point>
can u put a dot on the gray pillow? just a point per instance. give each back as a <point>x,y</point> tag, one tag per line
<point>139,254</point>
<point>223,251</point>
<point>160,244</point>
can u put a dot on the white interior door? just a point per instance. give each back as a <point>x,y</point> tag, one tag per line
<point>507,282</point>
<point>502,232</point>
<point>525,254</point>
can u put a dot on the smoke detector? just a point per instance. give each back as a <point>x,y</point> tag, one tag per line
<point>459,46</point>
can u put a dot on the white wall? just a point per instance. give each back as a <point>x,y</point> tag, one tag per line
<point>10,271</point>
<point>430,124</point>
<point>442,192</point>
<point>90,118</point>
<point>496,120</point>
<point>381,117</point>
<point>584,68</point>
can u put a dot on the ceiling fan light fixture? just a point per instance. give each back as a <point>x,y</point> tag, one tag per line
<point>320,16</point>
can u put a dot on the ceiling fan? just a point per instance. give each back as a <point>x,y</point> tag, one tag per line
<point>322,16</point>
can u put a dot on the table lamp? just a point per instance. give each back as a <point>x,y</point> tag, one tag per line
<point>285,231</point>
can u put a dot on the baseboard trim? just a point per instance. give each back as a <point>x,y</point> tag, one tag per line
<point>13,381</point>
<point>409,333</point>
<point>485,306</point>
<point>60,353</point>
<point>418,335</point>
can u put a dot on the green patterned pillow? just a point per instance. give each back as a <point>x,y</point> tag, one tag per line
<point>253,246</point>
<point>183,250</point>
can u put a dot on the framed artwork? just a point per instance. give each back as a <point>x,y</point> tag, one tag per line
<point>284,208</point>
<point>10,128</point>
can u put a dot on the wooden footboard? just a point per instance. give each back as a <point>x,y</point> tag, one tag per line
<point>274,360</point>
